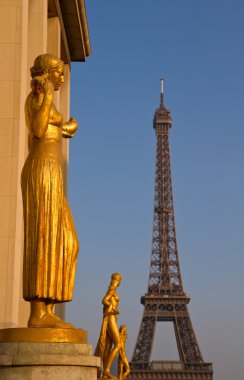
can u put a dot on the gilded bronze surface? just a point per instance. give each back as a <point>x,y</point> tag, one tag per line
<point>123,363</point>
<point>109,343</point>
<point>49,335</point>
<point>50,241</point>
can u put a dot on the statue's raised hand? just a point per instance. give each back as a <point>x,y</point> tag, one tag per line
<point>69,128</point>
<point>48,87</point>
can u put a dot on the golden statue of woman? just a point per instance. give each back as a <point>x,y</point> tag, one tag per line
<point>109,343</point>
<point>50,241</point>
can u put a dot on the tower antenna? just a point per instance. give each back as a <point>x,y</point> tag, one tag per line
<point>162,92</point>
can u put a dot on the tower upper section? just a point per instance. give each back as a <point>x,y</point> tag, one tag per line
<point>162,119</point>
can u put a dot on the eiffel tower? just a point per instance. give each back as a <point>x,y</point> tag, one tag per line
<point>165,299</point>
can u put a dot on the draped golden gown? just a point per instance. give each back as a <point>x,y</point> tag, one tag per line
<point>50,240</point>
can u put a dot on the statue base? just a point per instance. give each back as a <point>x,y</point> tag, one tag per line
<point>42,334</point>
<point>47,361</point>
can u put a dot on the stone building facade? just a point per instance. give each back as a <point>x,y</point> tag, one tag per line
<point>28,28</point>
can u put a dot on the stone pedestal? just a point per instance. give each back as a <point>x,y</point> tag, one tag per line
<point>47,361</point>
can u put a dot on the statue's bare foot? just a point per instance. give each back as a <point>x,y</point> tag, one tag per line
<point>44,321</point>
<point>48,320</point>
<point>60,323</point>
<point>108,375</point>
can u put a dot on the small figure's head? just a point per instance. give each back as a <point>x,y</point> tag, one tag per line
<point>123,329</point>
<point>49,66</point>
<point>123,332</point>
<point>115,279</point>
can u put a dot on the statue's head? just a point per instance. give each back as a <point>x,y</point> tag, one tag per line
<point>123,332</point>
<point>116,279</point>
<point>123,329</point>
<point>49,66</point>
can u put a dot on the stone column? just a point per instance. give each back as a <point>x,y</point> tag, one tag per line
<point>23,35</point>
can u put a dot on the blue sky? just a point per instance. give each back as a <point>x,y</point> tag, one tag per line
<point>198,48</point>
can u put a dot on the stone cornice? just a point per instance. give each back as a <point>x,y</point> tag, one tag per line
<point>74,28</point>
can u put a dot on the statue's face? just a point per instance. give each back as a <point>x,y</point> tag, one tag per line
<point>57,77</point>
<point>116,282</point>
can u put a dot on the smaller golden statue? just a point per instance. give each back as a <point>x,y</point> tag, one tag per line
<point>123,363</point>
<point>109,343</point>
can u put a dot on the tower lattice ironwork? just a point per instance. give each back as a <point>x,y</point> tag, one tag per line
<point>165,299</point>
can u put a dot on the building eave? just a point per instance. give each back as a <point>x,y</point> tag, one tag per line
<point>74,28</point>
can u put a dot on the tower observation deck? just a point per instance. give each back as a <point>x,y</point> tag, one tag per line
<point>165,299</point>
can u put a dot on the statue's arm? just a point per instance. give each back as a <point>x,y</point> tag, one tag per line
<point>39,114</point>
<point>107,298</point>
<point>122,352</point>
<point>69,128</point>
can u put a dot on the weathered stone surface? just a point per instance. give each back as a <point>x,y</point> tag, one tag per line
<point>46,361</point>
<point>48,373</point>
<point>8,348</point>
<point>51,348</point>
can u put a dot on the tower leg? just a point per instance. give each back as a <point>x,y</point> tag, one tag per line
<point>189,349</point>
<point>145,339</point>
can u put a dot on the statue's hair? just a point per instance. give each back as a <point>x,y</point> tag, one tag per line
<point>122,327</point>
<point>116,276</point>
<point>45,63</point>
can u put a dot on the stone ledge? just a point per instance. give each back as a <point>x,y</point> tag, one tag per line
<point>49,359</point>
<point>48,373</point>
<point>43,348</point>
<point>6,360</point>
<point>73,354</point>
